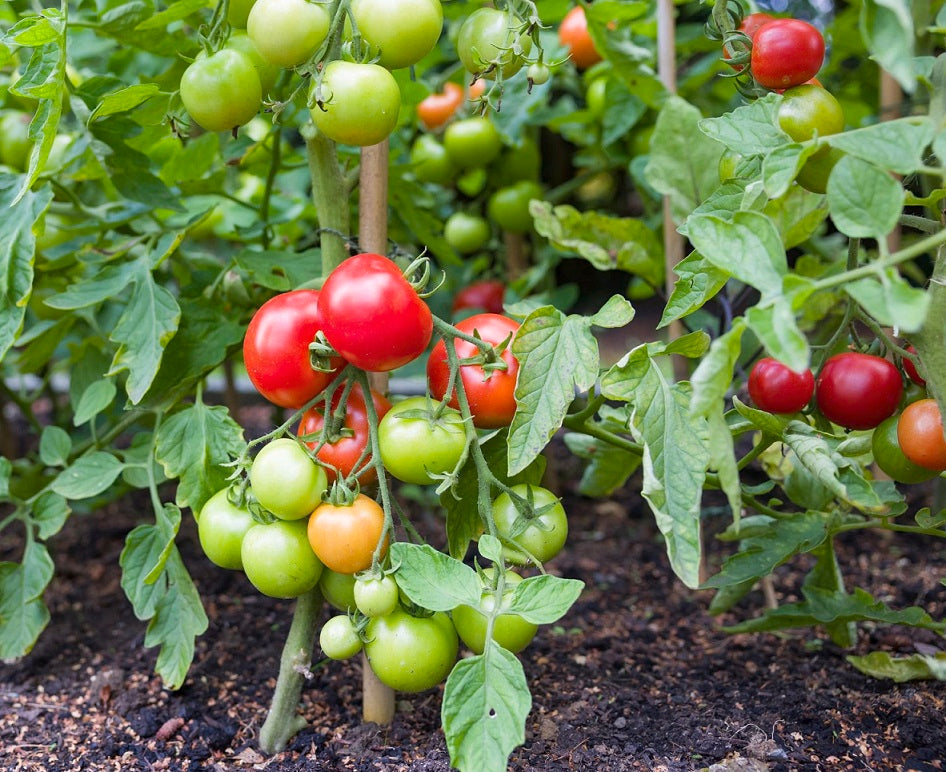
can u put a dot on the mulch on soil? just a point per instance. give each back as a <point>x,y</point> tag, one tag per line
<point>637,676</point>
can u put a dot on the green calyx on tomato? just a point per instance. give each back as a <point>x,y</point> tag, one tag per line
<point>286,481</point>
<point>221,91</point>
<point>416,445</point>
<point>491,41</point>
<point>510,630</point>
<point>411,654</point>
<point>355,104</point>
<point>542,536</point>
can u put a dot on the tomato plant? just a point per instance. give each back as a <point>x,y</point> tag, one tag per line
<point>786,52</point>
<point>858,391</point>
<point>401,32</point>
<point>221,527</point>
<point>339,639</point>
<point>778,389</point>
<point>356,104</point>
<point>411,654</point>
<point>485,295</point>
<point>490,388</point>
<point>372,315</point>
<point>287,32</point>
<point>221,91</point>
<point>345,536</point>
<point>276,349</point>
<point>343,448</point>
<point>543,536</point>
<point>573,34</point>
<point>920,434</point>
<point>491,42</point>
<point>416,443</point>
<point>278,560</point>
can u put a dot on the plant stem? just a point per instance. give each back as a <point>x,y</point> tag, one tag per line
<point>283,722</point>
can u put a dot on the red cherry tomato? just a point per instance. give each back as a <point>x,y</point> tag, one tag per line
<point>786,52</point>
<point>276,349</point>
<point>372,315</point>
<point>491,393</point>
<point>858,391</point>
<point>776,388</point>
<point>344,454</point>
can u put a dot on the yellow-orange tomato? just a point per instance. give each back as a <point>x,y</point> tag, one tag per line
<point>344,538</point>
<point>920,434</point>
<point>438,108</point>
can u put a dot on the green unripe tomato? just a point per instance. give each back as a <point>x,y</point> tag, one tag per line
<point>414,445</point>
<point>360,103</point>
<point>411,654</point>
<point>401,32</point>
<point>266,70</point>
<point>339,638</point>
<point>466,233</point>
<point>287,32</point>
<point>286,481</point>
<point>376,597</point>
<point>807,111</point>
<point>510,631</point>
<point>472,142</point>
<point>278,560</point>
<point>488,35</point>
<point>431,161</point>
<point>221,526</point>
<point>891,459</point>
<point>338,589</point>
<point>221,91</point>
<point>15,144</point>
<point>509,207</point>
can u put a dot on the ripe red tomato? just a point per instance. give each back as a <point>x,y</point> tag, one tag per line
<point>486,295</point>
<point>344,538</point>
<point>276,349</point>
<point>438,108</point>
<point>372,315</point>
<point>920,434</point>
<point>573,34</point>
<point>776,388</point>
<point>786,52</point>
<point>911,370</point>
<point>342,456</point>
<point>491,393</point>
<point>858,391</point>
<point>361,103</point>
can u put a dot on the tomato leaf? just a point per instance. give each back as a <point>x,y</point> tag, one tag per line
<point>177,11</point>
<point>751,129</point>
<point>98,396</point>
<point>775,326</point>
<point>887,28</point>
<point>765,548</point>
<point>433,580</point>
<point>6,469</point>
<point>50,512</point>
<point>277,270</point>
<point>895,145</point>
<point>797,215</point>
<point>23,615</point>
<point>865,201</point>
<point>485,704</point>
<point>684,161</point>
<point>781,166</point>
<point>915,667</point>
<point>699,281</point>
<point>192,444</point>
<point>608,467</point>
<point>557,356</point>
<point>544,599</point>
<point>124,99</point>
<point>87,476</point>
<point>891,300</point>
<point>17,248</point>
<point>676,454</point>
<point>55,445</point>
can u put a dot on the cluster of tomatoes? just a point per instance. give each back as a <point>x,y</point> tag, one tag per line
<point>352,102</point>
<point>785,55</point>
<point>303,350</point>
<point>862,391</point>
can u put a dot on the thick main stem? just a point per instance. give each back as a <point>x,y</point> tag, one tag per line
<point>283,722</point>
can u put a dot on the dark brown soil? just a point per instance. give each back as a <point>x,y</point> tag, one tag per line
<point>637,676</point>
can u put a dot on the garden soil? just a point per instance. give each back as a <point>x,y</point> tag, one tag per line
<point>636,676</point>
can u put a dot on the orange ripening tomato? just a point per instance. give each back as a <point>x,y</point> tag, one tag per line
<point>438,108</point>
<point>573,34</point>
<point>343,537</point>
<point>920,434</point>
